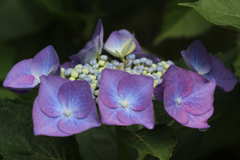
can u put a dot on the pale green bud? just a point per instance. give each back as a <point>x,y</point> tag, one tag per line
<point>101,63</point>
<point>85,71</point>
<point>93,86</point>
<point>165,66</point>
<point>92,77</point>
<point>159,73</point>
<point>72,78</point>
<point>78,66</point>
<point>100,69</point>
<point>74,74</point>
<point>144,72</point>
<point>96,93</point>
<point>154,65</point>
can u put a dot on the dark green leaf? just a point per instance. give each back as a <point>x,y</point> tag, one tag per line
<point>181,22</point>
<point>188,143</point>
<point>220,12</point>
<point>158,142</point>
<point>6,60</point>
<point>237,61</point>
<point>5,93</point>
<point>20,17</point>
<point>223,133</point>
<point>101,143</point>
<point>18,141</point>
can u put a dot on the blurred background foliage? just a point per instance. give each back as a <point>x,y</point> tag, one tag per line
<point>162,28</point>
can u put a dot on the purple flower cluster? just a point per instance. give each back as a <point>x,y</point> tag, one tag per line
<point>68,93</point>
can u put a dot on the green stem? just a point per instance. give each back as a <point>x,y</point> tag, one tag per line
<point>170,123</point>
<point>122,59</point>
<point>122,147</point>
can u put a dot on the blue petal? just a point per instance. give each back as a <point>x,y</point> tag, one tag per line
<point>45,62</point>
<point>223,77</point>
<point>197,58</point>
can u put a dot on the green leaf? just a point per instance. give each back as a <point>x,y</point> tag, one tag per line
<point>237,61</point>
<point>181,22</point>
<point>220,12</point>
<point>158,142</point>
<point>188,143</point>
<point>6,60</point>
<point>5,93</point>
<point>19,18</point>
<point>18,141</point>
<point>100,143</point>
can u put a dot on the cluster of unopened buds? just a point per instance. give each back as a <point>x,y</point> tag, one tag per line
<point>123,82</point>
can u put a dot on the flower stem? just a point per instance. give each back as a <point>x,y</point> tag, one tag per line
<point>122,147</point>
<point>122,59</point>
<point>170,123</point>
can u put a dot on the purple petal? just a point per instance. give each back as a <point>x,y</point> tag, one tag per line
<point>154,58</point>
<point>145,117</point>
<point>77,97</point>
<point>117,40</point>
<point>23,83</point>
<point>181,80</point>
<point>45,125</point>
<point>66,65</point>
<point>199,122</point>
<point>109,115</point>
<point>197,58</point>
<point>138,47</point>
<point>108,87</point>
<point>73,125</point>
<point>44,61</point>
<point>223,77</point>
<point>177,112</point>
<point>75,60</point>
<point>158,91</point>
<point>92,53</point>
<point>98,31</point>
<point>201,99</point>
<point>137,90</point>
<point>48,95</point>
<point>19,79</point>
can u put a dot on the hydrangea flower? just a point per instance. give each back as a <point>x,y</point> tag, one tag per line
<point>93,48</point>
<point>24,76</point>
<point>63,107</point>
<point>121,43</point>
<point>188,97</point>
<point>198,60</point>
<point>126,99</point>
<point>75,60</point>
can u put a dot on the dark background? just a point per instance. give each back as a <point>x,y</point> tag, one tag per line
<point>27,26</point>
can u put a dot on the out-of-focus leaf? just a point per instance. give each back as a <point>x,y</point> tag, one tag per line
<point>237,61</point>
<point>188,143</point>
<point>18,141</point>
<point>158,141</point>
<point>181,22</point>
<point>19,18</point>
<point>101,144</point>
<point>6,60</point>
<point>224,131</point>
<point>220,12</point>
<point>5,93</point>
